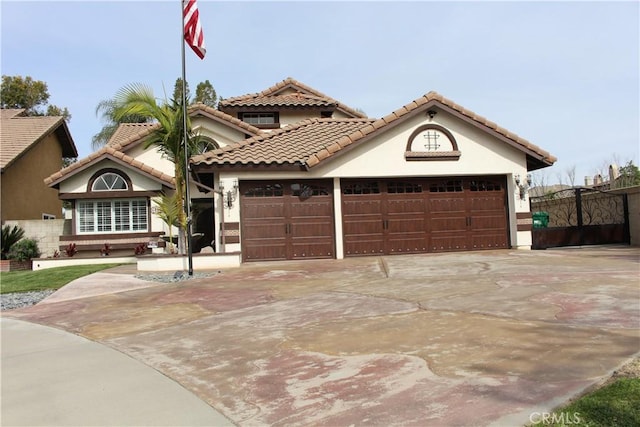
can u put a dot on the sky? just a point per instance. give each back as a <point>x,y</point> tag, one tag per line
<point>563,75</point>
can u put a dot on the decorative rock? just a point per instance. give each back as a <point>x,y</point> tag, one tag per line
<point>15,300</point>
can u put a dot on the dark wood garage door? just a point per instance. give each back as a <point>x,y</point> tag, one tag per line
<point>287,220</point>
<point>423,215</point>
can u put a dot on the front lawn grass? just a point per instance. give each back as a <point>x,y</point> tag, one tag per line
<point>52,278</point>
<point>616,404</point>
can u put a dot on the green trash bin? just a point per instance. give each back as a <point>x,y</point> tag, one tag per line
<point>540,219</point>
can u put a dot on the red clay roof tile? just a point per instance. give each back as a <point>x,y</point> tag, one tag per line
<point>275,96</point>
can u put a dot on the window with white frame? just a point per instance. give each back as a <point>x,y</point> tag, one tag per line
<point>109,181</point>
<point>259,118</point>
<point>112,216</point>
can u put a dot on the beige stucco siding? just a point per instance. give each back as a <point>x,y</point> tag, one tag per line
<point>78,183</point>
<point>223,135</point>
<point>24,194</point>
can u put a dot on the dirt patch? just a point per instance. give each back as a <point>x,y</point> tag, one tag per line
<point>630,370</point>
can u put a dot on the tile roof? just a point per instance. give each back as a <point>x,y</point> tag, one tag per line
<point>204,110</point>
<point>288,100</point>
<point>109,152</point>
<point>18,133</point>
<point>8,113</point>
<point>305,96</point>
<point>129,134</point>
<point>292,145</point>
<point>309,143</point>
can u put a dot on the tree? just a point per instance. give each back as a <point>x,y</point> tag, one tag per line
<point>107,109</point>
<point>10,236</point>
<point>138,100</point>
<point>30,94</point>
<point>206,94</point>
<point>177,91</point>
<point>169,211</point>
<point>629,176</point>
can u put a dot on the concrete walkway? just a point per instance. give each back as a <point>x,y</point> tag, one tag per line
<point>54,378</point>
<point>474,338</point>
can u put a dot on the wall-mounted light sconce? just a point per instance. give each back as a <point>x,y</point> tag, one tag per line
<point>230,196</point>
<point>523,187</point>
<point>432,114</point>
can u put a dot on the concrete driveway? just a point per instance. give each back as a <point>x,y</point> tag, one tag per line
<point>476,338</point>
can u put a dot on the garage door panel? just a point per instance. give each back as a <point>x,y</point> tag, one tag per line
<point>364,245</point>
<point>443,242</point>
<point>265,250</point>
<point>361,207</point>
<point>264,230</point>
<point>287,219</point>
<point>363,225</point>
<point>312,249</point>
<point>479,204</point>
<point>488,222</point>
<point>314,229</point>
<point>415,243</point>
<point>444,223</point>
<point>405,207</point>
<point>489,241</point>
<point>322,209</point>
<point>439,204</point>
<point>424,214</point>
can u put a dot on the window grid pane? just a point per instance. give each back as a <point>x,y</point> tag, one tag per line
<point>85,217</point>
<point>103,217</point>
<point>112,216</point>
<point>139,217</point>
<point>122,216</point>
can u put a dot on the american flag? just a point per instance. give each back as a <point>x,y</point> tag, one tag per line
<point>193,34</point>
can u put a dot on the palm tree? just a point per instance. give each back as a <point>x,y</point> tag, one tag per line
<point>169,208</point>
<point>137,100</point>
<point>107,108</point>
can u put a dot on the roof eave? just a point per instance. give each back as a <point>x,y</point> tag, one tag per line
<point>56,183</point>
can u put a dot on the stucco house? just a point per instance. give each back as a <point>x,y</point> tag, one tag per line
<point>31,149</point>
<point>297,174</point>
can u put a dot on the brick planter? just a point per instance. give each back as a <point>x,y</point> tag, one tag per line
<point>12,265</point>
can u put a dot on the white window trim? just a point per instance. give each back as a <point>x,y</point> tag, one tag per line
<point>112,211</point>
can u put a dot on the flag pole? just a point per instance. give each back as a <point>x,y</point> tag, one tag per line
<point>187,199</point>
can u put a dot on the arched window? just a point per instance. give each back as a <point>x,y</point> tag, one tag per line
<point>109,181</point>
<point>206,144</point>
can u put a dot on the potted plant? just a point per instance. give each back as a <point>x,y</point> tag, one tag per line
<point>141,249</point>
<point>105,250</point>
<point>71,250</point>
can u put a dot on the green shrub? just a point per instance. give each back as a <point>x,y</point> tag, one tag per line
<point>24,250</point>
<point>10,236</point>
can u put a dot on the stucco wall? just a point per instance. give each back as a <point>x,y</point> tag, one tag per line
<point>46,232</point>
<point>222,134</point>
<point>78,183</point>
<point>24,194</point>
<point>633,197</point>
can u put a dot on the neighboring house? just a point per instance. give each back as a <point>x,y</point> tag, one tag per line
<point>31,149</point>
<point>297,174</point>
